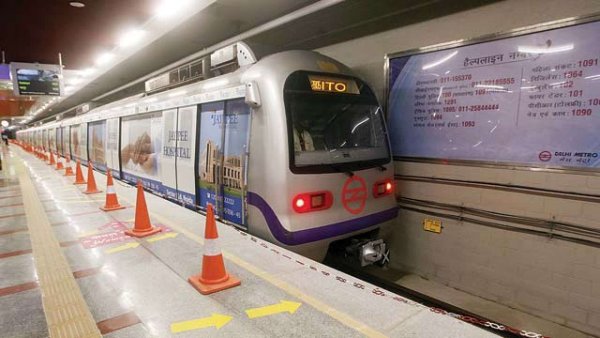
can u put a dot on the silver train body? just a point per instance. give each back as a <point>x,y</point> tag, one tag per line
<point>312,164</point>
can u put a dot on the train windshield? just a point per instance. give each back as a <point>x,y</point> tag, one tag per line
<point>335,124</point>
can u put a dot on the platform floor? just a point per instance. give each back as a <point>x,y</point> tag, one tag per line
<point>66,270</point>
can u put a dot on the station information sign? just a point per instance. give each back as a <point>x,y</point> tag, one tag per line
<point>36,79</point>
<point>531,100</point>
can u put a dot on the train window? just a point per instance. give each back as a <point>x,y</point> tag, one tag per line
<point>333,130</point>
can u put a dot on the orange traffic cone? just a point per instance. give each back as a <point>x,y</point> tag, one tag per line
<point>59,165</point>
<point>112,203</point>
<point>69,171</point>
<point>91,183</point>
<point>52,162</point>
<point>142,226</point>
<point>79,174</point>
<point>213,278</point>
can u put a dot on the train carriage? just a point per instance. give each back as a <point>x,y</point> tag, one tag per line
<point>292,148</point>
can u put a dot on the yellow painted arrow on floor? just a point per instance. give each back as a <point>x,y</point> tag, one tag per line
<point>130,245</point>
<point>216,320</point>
<point>283,306</point>
<point>161,237</point>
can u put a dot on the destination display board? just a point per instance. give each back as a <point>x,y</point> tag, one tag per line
<point>36,79</point>
<point>531,100</point>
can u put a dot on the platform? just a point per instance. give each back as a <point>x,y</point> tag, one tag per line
<point>67,271</point>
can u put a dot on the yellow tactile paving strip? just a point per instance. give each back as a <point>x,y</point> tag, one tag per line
<point>67,314</point>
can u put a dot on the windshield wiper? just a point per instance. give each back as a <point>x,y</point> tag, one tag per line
<point>382,168</point>
<point>339,170</point>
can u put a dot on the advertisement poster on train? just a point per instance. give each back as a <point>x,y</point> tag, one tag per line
<point>237,119</point>
<point>211,154</point>
<point>186,155</point>
<point>141,138</point>
<point>528,100</point>
<point>97,144</point>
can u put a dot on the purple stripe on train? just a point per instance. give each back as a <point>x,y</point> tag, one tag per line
<point>311,235</point>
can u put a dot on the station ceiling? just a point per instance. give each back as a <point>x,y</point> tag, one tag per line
<point>37,30</point>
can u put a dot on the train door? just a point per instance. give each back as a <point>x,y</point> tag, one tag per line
<point>112,146</point>
<point>65,141</point>
<point>58,141</point>
<point>223,144</point>
<point>167,159</point>
<point>179,154</point>
<point>45,139</point>
<point>97,144</point>
<point>185,155</point>
<point>52,140</point>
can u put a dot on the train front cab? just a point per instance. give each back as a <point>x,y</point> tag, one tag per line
<point>335,180</point>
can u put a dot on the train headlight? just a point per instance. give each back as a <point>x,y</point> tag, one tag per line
<point>312,201</point>
<point>383,188</point>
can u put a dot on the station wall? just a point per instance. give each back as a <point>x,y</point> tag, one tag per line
<point>555,279</point>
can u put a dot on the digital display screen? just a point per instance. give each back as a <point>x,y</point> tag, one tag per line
<point>332,85</point>
<point>38,82</point>
<point>36,79</point>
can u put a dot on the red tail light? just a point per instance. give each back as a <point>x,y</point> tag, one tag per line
<point>312,201</point>
<point>383,188</point>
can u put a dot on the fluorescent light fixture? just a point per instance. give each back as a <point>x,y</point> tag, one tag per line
<point>104,58</point>
<point>545,50</point>
<point>440,61</point>
<point>88,71</point>
<point>168,8</point>
<point>131,37</point>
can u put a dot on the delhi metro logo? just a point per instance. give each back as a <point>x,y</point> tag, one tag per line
<point>545,156</point>
<point>354,194</point>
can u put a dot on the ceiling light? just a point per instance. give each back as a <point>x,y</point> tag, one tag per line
<point>168,8</point>
<point>131,37</point>
<point>104,58</point>
<point>87,71</point>
<point>77,4</point>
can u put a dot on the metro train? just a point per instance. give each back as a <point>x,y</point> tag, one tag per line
<point>292,148</point>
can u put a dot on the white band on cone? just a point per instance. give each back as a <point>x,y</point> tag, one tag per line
<point>110,189</point>
<point>211,248</point>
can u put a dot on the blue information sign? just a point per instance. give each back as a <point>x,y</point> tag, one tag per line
<point>530,100</point>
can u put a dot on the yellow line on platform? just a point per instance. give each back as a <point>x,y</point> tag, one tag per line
<point>67,314</point>
<point>290,289</point>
